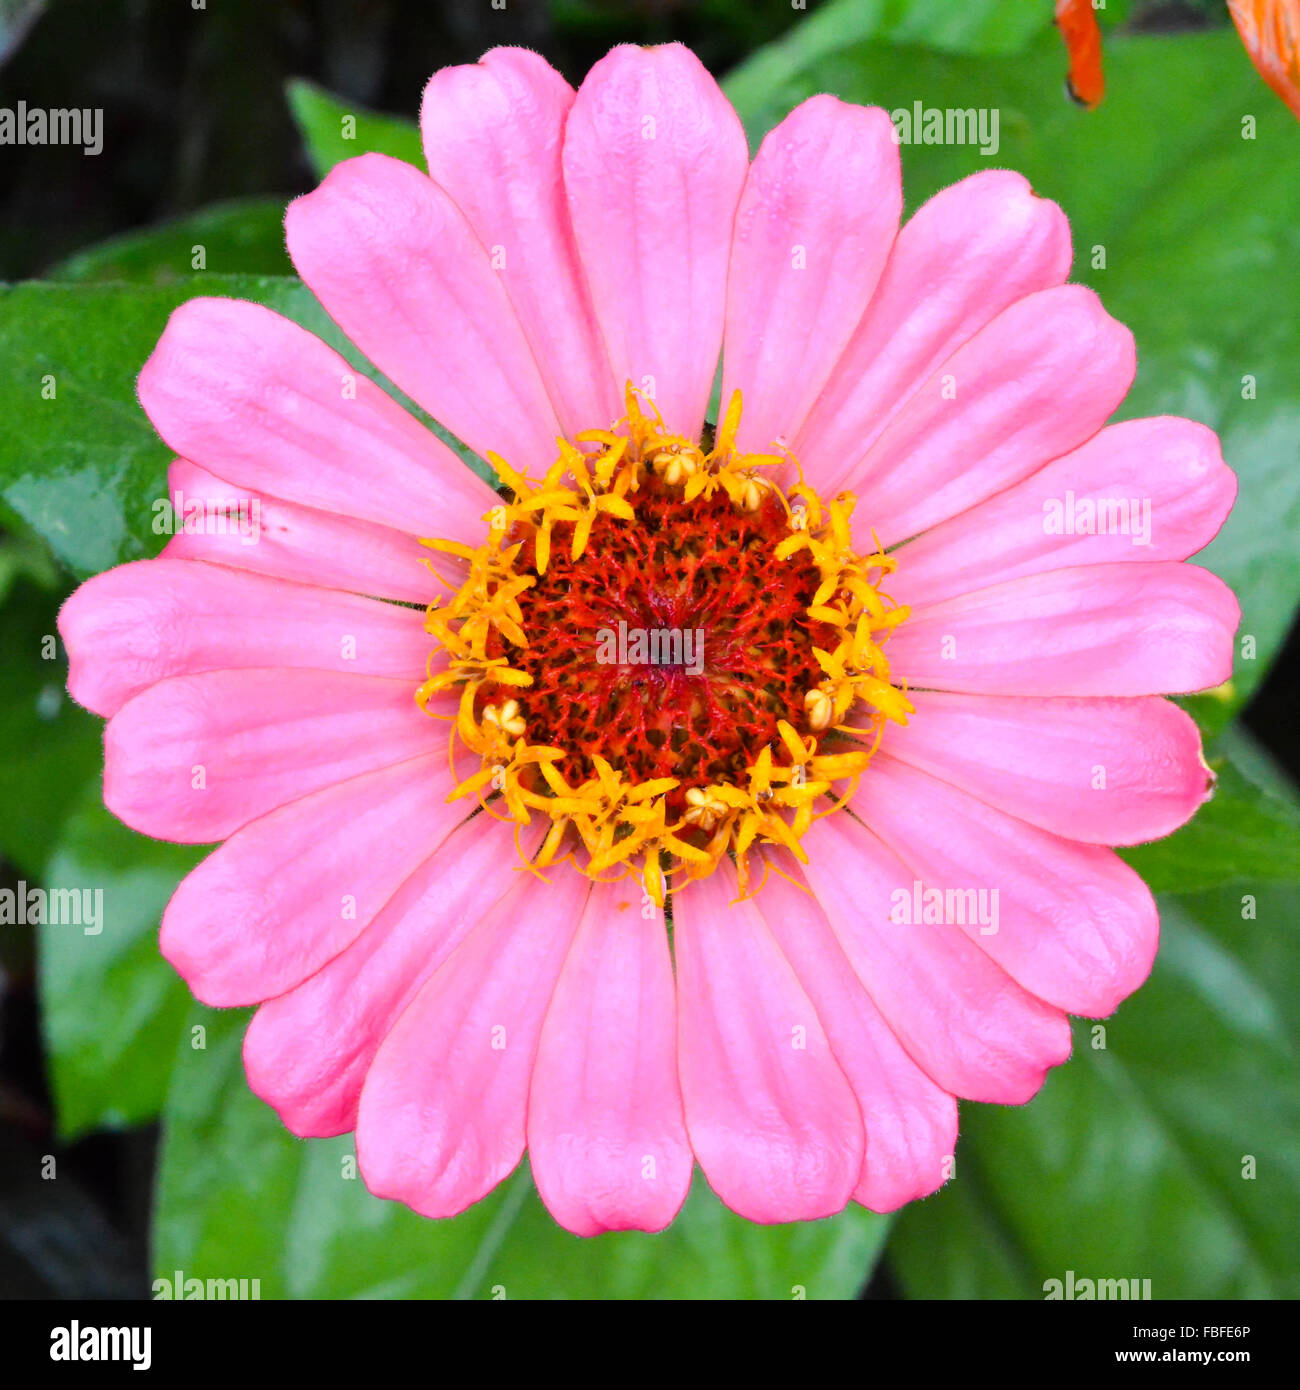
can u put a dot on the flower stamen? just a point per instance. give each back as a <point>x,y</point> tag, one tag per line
<point>763,628</point>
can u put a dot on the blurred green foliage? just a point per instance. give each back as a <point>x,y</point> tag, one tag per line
<point>322,1235</point>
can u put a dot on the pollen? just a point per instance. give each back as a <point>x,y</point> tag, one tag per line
<point>657,648</point>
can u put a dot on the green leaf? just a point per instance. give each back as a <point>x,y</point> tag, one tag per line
<point>1212,297</point>
<point>79,461</point>
<point>238,1197</point>
<point>1241,835</point>
<point>49,746</point>
<point>1163,1150</point>
<point>1133,1161</point>
<point>112,1008</point>
<point>82,466</point>
<point>23,555</point>
<point>242,237</point>
<point>759,87</point>
<point>953,1246</point>
<point>336,130</point>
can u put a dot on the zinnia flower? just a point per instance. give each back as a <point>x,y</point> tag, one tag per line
<point>739,793</point>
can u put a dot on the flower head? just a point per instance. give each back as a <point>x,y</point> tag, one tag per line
<point>734,791</point>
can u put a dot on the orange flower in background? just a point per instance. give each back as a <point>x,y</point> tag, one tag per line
<point>1270,29</point>
<point>1077,21</point>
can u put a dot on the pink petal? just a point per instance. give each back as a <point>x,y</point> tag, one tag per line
<point>654,161</point>
<point>1034,383</point>
<point>1112,772</point>
<point>442,1111</point>
<point>193,758</point>
<point>1155,629</point>
<point>493,131</point>
<point>1072,923</point>
<point>966,255</point>
<point>137,624</point>
<point>299,543</point>
<point>1159,486</point>
<point>265,404</point>
<point>771,1117</point>
<point>290,891</point>
<point>606,1138</point>
<point>399,269</point>
<point>816,221</point>
<point>962,1018</point>
<point>911,1124</point>
<point>307,1053</point>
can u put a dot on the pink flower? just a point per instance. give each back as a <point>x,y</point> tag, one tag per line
<point>971,660</point>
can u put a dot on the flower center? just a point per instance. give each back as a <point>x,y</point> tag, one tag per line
<point>658,647</point>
